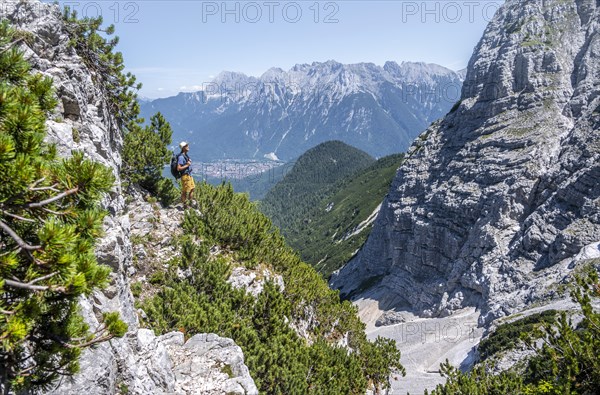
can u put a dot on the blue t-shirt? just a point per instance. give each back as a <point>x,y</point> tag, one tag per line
<point>182,161</point>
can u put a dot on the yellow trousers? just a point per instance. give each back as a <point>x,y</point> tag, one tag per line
<point>187,183</point>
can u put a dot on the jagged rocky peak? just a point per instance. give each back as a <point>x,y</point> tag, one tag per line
<point>274,74</point>
<point>329,66</point>
<point>412,72</point>
<point>366,75</point>
<point>232,79</point>
<point>499,201</point>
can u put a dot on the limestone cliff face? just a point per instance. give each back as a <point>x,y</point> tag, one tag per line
<point>140,362</point>
<point>496,201</point>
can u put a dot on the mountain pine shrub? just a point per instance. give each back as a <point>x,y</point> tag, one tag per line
<point>506,336</point>
<point>145,153</point>
<point>280,361</point>
<point>49,220</point>
<point>566,362</point>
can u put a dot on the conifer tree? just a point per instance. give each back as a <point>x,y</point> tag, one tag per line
<point>145,154</point>
<point>49,220</point>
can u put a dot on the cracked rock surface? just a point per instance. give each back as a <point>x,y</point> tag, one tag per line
<point>496,199</point>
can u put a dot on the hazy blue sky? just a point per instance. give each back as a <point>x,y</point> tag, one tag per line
<point>174,46</point>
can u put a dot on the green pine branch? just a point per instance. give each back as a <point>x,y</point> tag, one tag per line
<point>50,220</point>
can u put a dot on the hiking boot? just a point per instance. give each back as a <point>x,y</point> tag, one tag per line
<point>179,207</point>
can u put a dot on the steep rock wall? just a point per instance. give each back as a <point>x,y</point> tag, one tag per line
<point>495,200</point>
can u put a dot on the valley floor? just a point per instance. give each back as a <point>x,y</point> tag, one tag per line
<point>425,343</point>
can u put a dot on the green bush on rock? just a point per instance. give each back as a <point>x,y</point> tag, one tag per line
<point>280,361</point>
<point>50,218</point>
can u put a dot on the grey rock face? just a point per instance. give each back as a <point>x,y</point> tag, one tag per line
<point>81,121</point>
<point>209,364</point>
<point>140,362</point>
<point>253,281</point>
<point>153,232</point>
<point>390,318</point>
<point>495,200</point>
<point>143,363</point>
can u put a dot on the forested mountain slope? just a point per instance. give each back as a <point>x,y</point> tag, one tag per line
<point>309,180</point>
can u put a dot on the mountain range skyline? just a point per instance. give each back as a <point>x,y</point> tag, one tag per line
<point>224,77</point>
<point>280,115</point>
<point>480,270</point>
<point>197,40</point>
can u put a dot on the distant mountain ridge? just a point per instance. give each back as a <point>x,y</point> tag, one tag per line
<point>377,109</point>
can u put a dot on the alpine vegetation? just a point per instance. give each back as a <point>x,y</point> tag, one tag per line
<point>50,219</point>
<point>297,336</point>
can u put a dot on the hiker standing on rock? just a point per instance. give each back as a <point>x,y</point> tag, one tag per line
<point>184,166</point>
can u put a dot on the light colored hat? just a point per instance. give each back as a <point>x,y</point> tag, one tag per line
<point>182,144</point>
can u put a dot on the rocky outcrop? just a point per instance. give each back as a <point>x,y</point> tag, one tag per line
<point>154,232</point>
<point>209,364</point>
<point>140,362</point>
<point>495,201</point>
<point>147,364</point>
<point>254,280</point>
